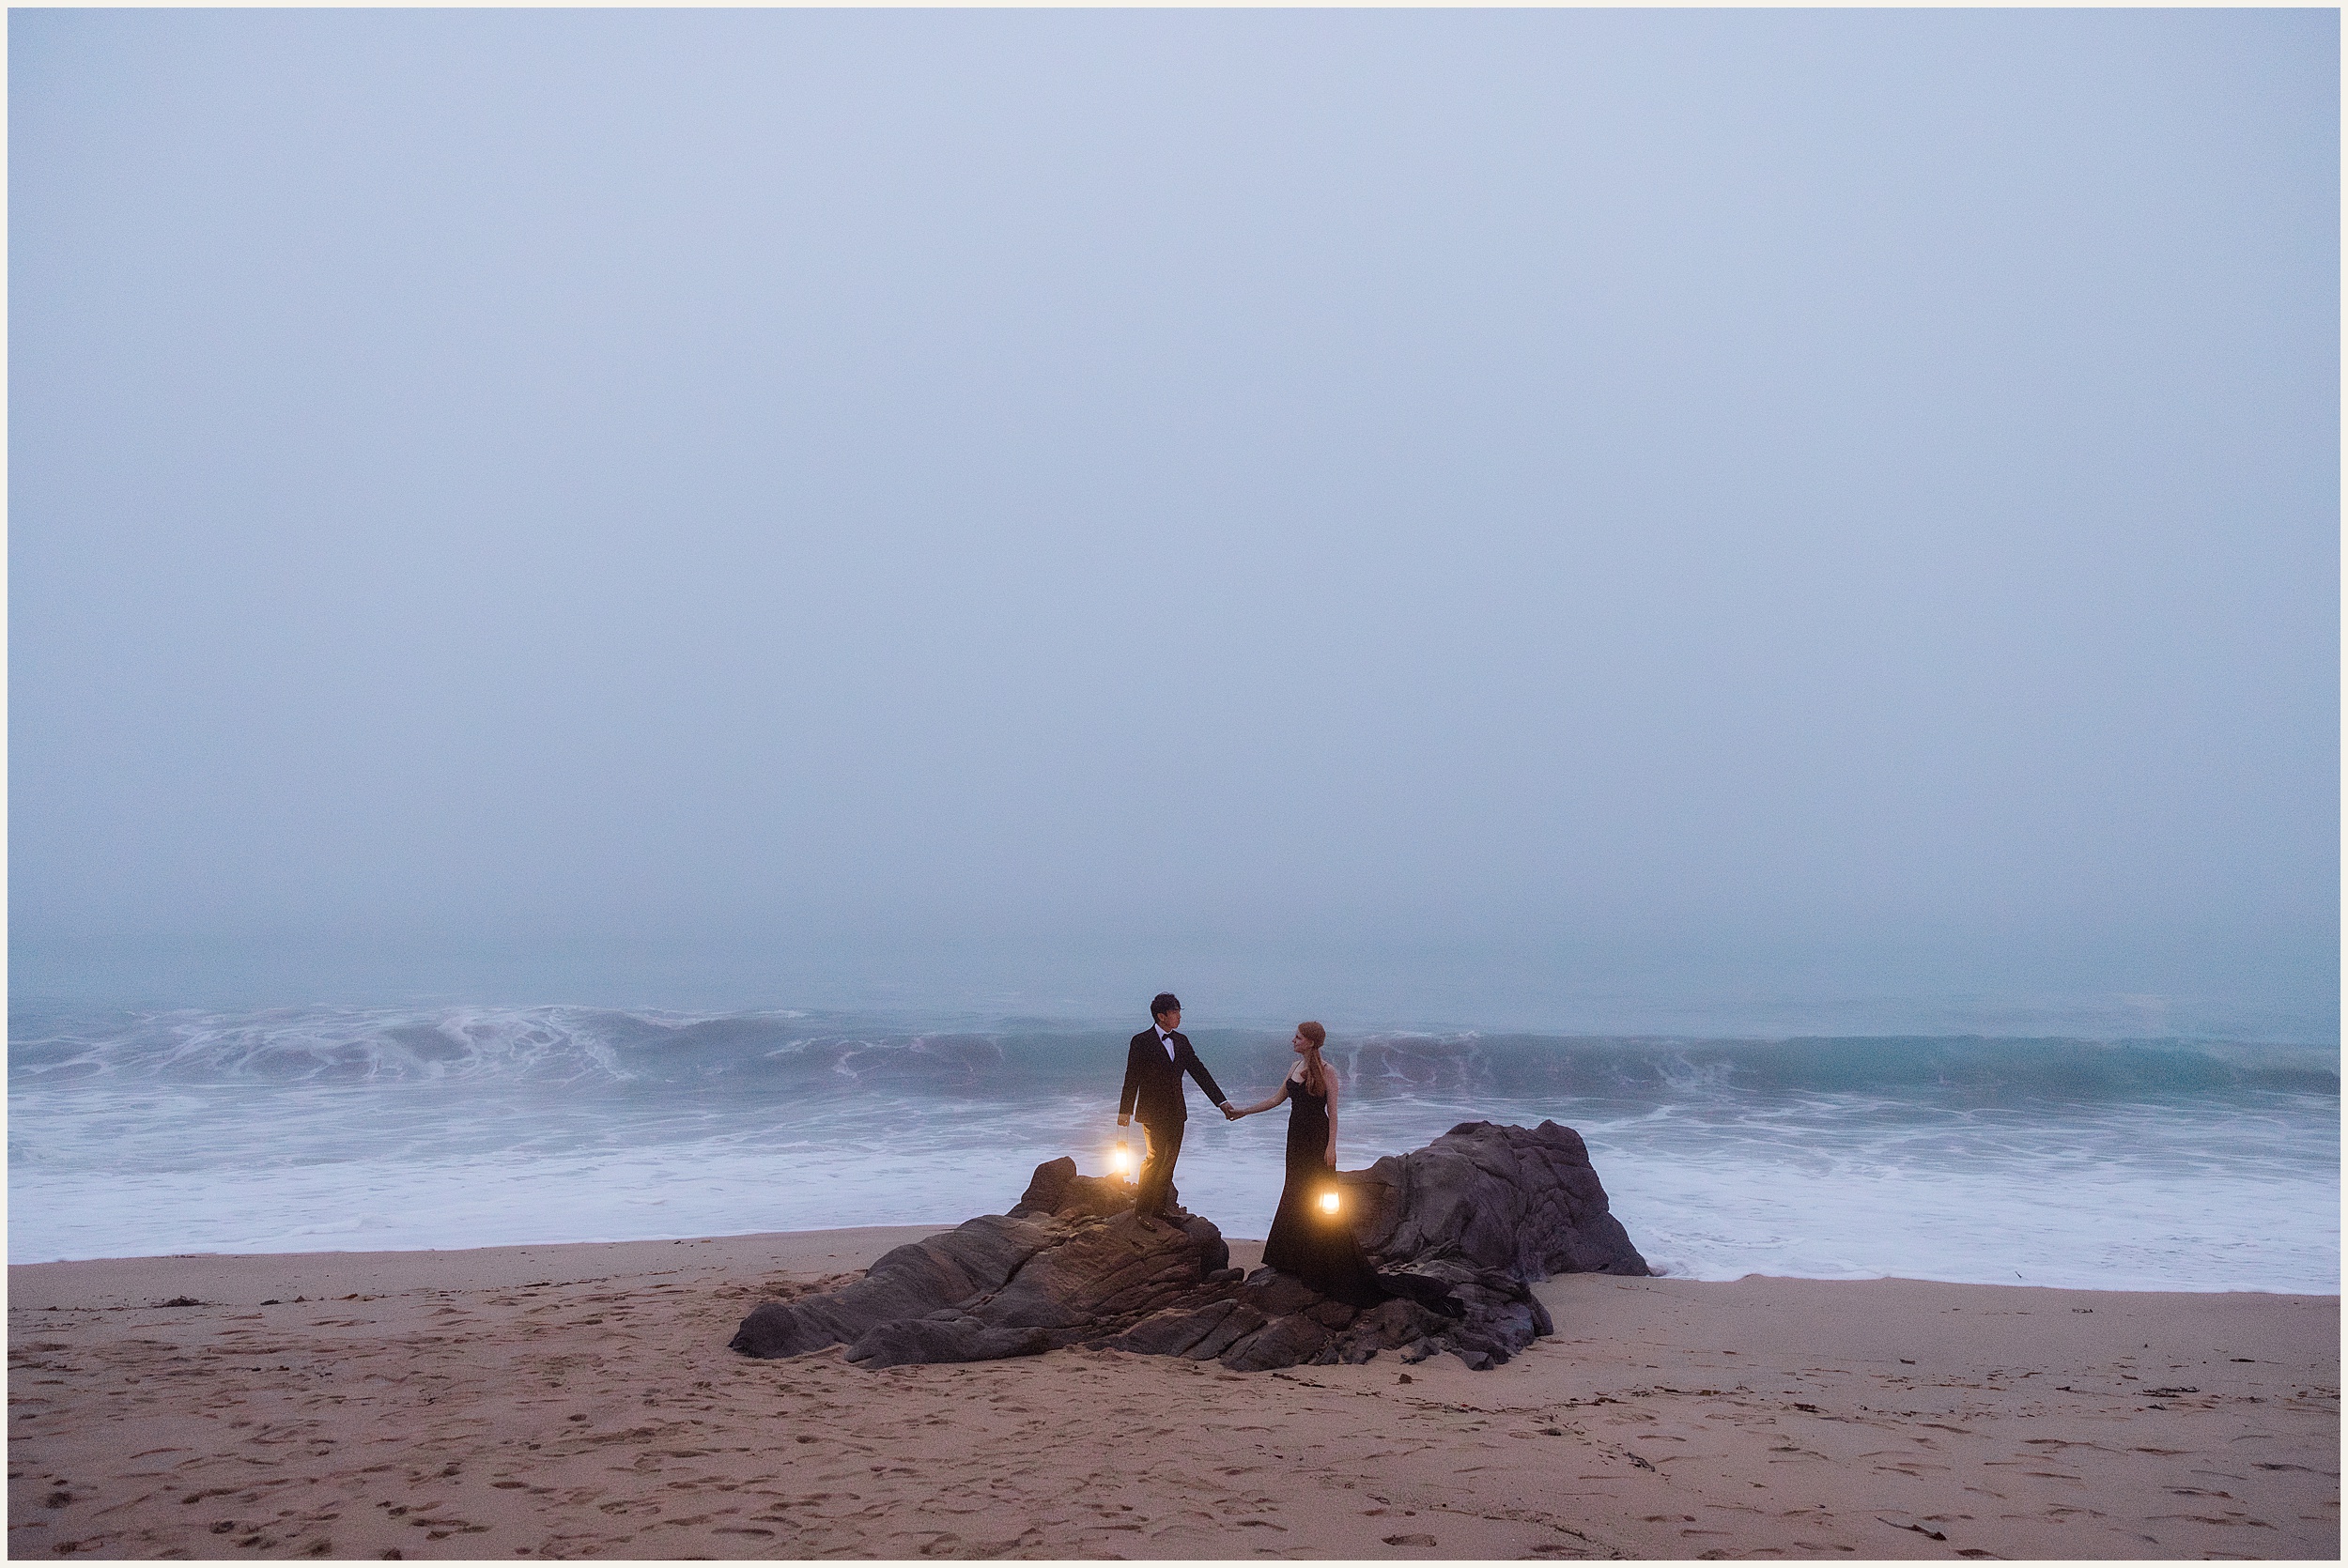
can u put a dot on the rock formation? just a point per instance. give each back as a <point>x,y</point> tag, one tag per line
<point>1458,1228</point>
<point>1526,1203</point>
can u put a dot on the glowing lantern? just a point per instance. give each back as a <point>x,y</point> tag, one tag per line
<point>1122,1162</point>
<point>1329,1201</point>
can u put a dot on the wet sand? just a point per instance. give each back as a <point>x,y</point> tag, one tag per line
<point>579,1400</point>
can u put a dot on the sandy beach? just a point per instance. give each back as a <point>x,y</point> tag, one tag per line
<point>579,1400</point>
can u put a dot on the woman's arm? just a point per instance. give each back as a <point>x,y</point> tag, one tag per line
<point>1329,1157</point>
<point>1251,1109</point>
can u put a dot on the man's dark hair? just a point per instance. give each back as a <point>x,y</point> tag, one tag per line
<point>1165,1002</point>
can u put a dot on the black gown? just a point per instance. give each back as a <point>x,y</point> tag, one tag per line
<point>1315,1247</point>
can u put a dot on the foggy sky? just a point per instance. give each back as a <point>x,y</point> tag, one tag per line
<point>1634,494</point>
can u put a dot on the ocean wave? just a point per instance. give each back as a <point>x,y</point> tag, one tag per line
<point>816,1054</point>
<point>536,1046</point>
<point>1963,1067</point>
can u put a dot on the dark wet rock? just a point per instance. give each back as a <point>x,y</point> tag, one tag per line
<point>1001,1285</point>
<point>1391,1325</point>
<point>954,1339</point>
<point>1283,1342</point>
<point>1524,1201</point>
<point>1457,1230</point>
<point>1488,1310</point>
<point>1425,1289</point>
<point>1330,1314</point>
<point>1056,1188</point>
<point>1276,1295</point>
<point>1174,1330</point>
<point>1242,1321</point>
<point>1058,1191</point>
<point>1105,1270</point>
<point>912,1280</point>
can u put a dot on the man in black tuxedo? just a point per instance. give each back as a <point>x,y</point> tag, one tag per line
<point>1154,1065</point>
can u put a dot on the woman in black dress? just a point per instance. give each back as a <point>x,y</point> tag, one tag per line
<point>1308,1241</point>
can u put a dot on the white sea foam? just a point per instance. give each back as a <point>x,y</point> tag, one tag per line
<point>2148,1166</point>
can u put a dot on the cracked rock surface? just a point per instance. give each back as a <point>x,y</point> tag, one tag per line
<point>1459,1229</point>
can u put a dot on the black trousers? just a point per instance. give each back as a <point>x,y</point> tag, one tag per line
<point>1157,1171</point>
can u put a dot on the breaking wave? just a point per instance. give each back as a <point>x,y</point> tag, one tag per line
<point>2160,1164</point>
<point>815,1053</point>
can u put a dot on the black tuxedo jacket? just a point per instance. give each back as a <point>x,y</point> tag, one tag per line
<point>1154,1084</point>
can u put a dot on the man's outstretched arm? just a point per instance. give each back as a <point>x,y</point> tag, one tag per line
<point>1215,1095</point>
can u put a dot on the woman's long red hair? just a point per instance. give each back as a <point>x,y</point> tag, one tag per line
<point>1315,1071</point>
